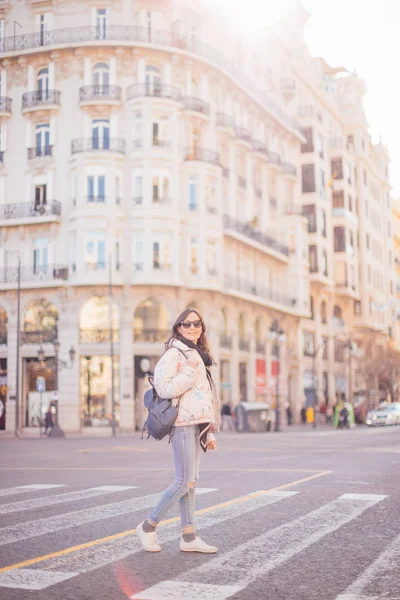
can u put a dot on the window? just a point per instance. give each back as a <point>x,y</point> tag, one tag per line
<point>312,308</point>
<point>95,251</point>
<point>192,195</point>
<point>367,241</point>
<point>162,252</point>
<point>365,177</point>
<point>160,189</point>
<point>211,198</point>
<point>339,351</point>
<point>43,140</point>
<point>40,255</point>
<point>322,183</point>
<point>101,77</point>
<point>96,188</point>
<point>193,258</point>
<point>337,168</point>
<point>43,84</point>
<point>101,24</point>
<point>40,196</point>
<point>308,343</point>
<point>100,134</point>
<point>118,190</point>
<point>338,199</point>
<point>313,258</point>
<point>325,263</point>
<point>308,145</point>
<point>137,189</point>
<point>43,27</point>
<point>211,258</point>
<point>350,203</point>
<point>339,236</point>
<point>308,179</point>
<point>137,129</point>
<point>138,254</point>
<point>357,308</point>
<point>153,81</point>
<point>323,223</point>
<point>325,350</point>
<point>117,255</point>
<point>325,386</point>
<point>308,211</point>
<point>160,132</point>
<point>320,145</point>
<point>348,171</point>
<point>324,318</point>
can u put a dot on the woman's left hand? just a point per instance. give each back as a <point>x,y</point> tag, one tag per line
<point>212,445</point>
<point>213,428</point>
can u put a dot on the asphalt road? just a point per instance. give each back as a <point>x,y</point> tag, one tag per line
<point>298,515</point>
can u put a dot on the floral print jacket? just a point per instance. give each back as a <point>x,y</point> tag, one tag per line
<point>174,379</point>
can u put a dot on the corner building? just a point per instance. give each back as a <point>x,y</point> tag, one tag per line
<point>133,151</point>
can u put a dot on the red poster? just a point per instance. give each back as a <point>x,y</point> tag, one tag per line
<point>275,368</point>
<point>261,375</point>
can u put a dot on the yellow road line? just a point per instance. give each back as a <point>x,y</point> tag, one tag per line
<point>122,534</point>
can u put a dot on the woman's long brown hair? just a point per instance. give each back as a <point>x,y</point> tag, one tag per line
<point>202,342</point>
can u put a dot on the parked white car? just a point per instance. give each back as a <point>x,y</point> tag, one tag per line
<point>385,414</point>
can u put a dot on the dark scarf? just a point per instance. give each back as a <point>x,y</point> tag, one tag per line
<point>208,362</point>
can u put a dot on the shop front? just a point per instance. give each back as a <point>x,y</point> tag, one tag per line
<point>96,390</point>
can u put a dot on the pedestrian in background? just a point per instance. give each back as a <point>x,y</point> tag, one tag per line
<point>289,414</point>
<point>183,374</point>
<point>48,421</point>
<point>227,421</point>
<point>303,414</point>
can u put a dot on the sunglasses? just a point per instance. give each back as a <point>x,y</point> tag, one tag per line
<point>188,324</point>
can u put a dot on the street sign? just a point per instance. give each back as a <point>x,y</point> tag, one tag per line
<point>40,384</point>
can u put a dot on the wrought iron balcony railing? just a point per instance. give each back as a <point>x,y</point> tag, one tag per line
<point>90,93</point>
<point>95,199</point>
<point>243,134</point>
<point>46,336</point>
<point>255,289</point>
<point>41,98</point>
<point>75,35</point>
<point>40,152</point>
<point>150,335</point>
<point>21,210</point>
<point>98,336</point>
<point>224,120</point>
<point>155,90</point>
<point>225,341</point>
<point>5,104</point>
<point>289,169</point>
<point>161,143</point>
<point>254,234</point>
<point>260,147</point>
<point>98,145</point>
<point>196,105</point>
<point>203,155</point>
<point>34,273</point>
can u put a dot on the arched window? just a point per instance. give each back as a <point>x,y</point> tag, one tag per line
<point>101,74</point>
<point>94,321</point>
<point>258,331</point>
<point>40,323</point>
<point>241,327</point>
<point>324,316</point>
<point>337,312</point>
<point>3,326</point>
<point>151,322</point>
<point>43,83</point>
<point>153,81</point>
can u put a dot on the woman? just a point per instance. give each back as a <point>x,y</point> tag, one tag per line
<point>183,374</point>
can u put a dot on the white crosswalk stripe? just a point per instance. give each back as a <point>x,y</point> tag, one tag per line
<point>13,507</point>
<point>83,561</point>
<point>260,555</point>
<point>24,489</point>
<point>31,529</point>
<point>385,568</point>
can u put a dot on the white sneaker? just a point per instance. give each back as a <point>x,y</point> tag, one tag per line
<point>197,545</point>
<point>149,540</point>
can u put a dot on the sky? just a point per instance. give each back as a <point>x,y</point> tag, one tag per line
<point>361,35</point>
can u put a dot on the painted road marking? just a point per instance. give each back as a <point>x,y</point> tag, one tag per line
<point>383,570</point>
<point>30,529</point>
<point>90,556</point>
<point>24,489</point>
<point>12,507</point>
<point>260,555</point>
<point>31,579</point>
<point>184,590</point>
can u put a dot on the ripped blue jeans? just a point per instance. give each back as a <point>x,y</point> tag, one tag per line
<point>186,446</point>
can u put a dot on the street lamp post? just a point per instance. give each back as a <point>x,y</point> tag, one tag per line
<point>277,335</point>
<point>17,424</point>
<point>57,431</point>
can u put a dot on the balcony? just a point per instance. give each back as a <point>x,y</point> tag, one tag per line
<point>95,266</point>
<point>47,336</point>
<point>289,169</point>
<point>96,199</point>
<point>243,135</point>
<point>34,274</point>
<point>162,144</point>
<point>258,236</point>
<point>109,95</point>
<point>150,335</point>
<point>159,90</point>
<point>202,155</point>
<point>258,291</point>
<point>260,148</point>
<point>40,152</point>
<point>274,158</point>
<point>224,121</point>
<point>5,106</point>
<point>98,336</point>
<point>225,341</point>
<point>41,100</point>
<point>98,145</point>
<point>195,105</point>
<point>29,210</point>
